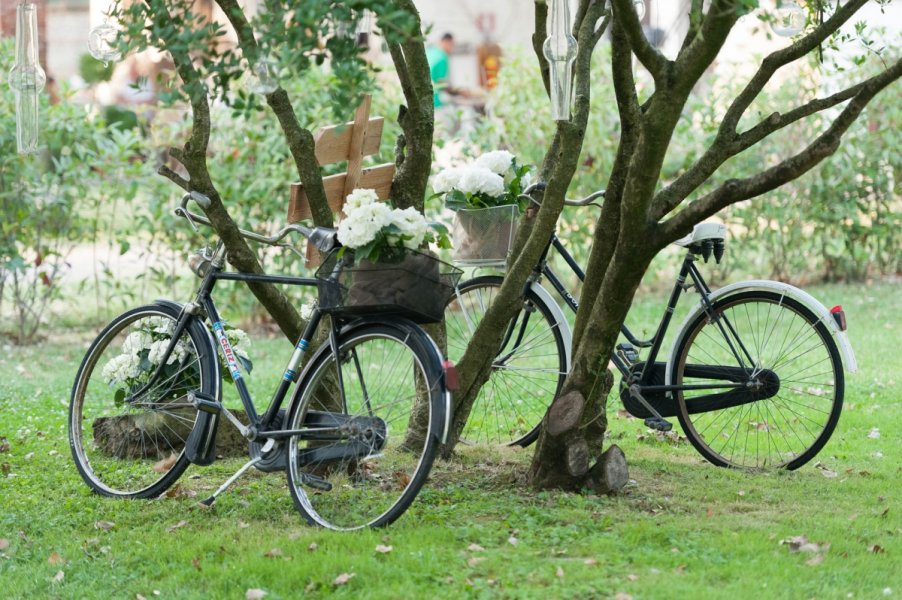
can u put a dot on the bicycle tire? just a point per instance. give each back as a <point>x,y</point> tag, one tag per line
<point>134,448</point>
<point>511,404</point>
<point>387,443</point>
<point>797,365</point>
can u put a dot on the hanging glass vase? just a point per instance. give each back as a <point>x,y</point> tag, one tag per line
<point>560,51</point>
<point>27,78</point>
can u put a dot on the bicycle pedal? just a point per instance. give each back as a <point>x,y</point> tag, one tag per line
<point>628,352</point>
<point>658,424</point>
<point>205,403</point>
<point>317,483</point>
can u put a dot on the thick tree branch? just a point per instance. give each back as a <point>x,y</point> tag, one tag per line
<point>722,149</point>
<point>698,55</point>
<point>538,41</point>
<point>194,157</point>
<point>300,141</point>
<point>413,151</point>
<point>656,63</point>
<point>781,58</point>
<point>174,178</point>
<point>736,190</point>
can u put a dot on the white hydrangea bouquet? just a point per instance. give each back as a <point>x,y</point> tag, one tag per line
<point>485,196</point>
<point>379,233</point>
<point>142,353</point>
<point>493,179</point>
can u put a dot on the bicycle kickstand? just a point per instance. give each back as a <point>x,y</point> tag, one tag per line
<point>266,448</point>
<point>656,421</point>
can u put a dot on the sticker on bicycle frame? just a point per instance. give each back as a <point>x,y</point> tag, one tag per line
<point>227,350</point>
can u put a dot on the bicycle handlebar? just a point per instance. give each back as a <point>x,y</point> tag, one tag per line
<point>540,186</point>
<point>322,237</point>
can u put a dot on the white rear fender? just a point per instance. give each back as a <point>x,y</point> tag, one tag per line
<point>782,289</point>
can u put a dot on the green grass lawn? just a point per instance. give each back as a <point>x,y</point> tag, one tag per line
<point>681,528</point>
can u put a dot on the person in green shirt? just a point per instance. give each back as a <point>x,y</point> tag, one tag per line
<point>439,67</point>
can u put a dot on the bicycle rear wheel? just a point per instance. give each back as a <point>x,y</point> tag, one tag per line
<point>128,441</point>
<point>527,372</point>
<point>791,379</point>
<point>372,420</point>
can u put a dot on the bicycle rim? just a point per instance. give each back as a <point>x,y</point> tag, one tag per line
<point>127,444</point>
<point>385,411</point>
<point>527,373</point>
<point>781,344</point>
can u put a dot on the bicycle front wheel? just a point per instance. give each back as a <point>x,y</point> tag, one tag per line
<point>127,428</point>
<point>527,372</point>
<point>781,377</point>
<point>371,417</point>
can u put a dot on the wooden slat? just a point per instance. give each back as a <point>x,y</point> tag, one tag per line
<point>378,178</point>
<point>333,143</point>
<point>355,151</point>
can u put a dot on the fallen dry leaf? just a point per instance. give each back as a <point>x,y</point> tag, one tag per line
<point>166,464</point>
<point>58,577</point>
<point>312,547</point>
<point>475,548</point>
<point>383,549</point>
<point>294,535</point>
<point>826,472</point>
<point>632,577</point>
<point>139,597</point>
<point>622,596</point>
<point>55,559</point>
<point>104,525</point>
<point>475,560</point>
<point>195,562</point>
<point>4,544</point>
<point>243,525</point>
<point>343,579</point>
<point>513,541</point>
<point>590,561</point>
<point>254,594</point>
<point>4,445</point>
<point>178,525</point>
<point>559,572</point>
<point>5,468</point>
<point>275,552</point>
<point>876,549</point>
<point>800,543</point>
<point>874,433</point>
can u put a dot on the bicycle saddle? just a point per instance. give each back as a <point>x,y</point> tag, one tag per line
<point>702,232</point>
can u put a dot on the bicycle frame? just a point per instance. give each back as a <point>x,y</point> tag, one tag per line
<point>204,304</point>
<point>687,269</point>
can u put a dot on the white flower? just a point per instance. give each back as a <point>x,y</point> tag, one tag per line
<point>155,355</point>
<point>359,197</point>
<point>479,180</point>
<point>412,225</point>
<point>160,325</point>
<point>498,161</point>
<point>121,368</point>
<point>136,341</point>
<point>362,224</point>
<point>447,180</point>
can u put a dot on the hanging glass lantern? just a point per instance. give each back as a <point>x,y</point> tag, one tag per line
<point>102,43</point>
<point>789,19</point>
<point>27,78</point>
<point>264,76</point>
<point>560,51</point>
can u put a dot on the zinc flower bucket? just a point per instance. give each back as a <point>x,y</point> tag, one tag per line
<point>483,236</point>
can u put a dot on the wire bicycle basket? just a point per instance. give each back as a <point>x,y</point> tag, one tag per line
<point>418,287</point>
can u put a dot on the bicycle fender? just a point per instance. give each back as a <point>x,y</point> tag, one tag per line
<point>558,313</point>
<point>783,289</point>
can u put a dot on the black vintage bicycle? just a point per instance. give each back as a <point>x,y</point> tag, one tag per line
<point>755,375</point>
<point>357,437</point>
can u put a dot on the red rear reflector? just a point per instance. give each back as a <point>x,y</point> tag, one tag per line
<point>452,381</point>
<point>839,316</point>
